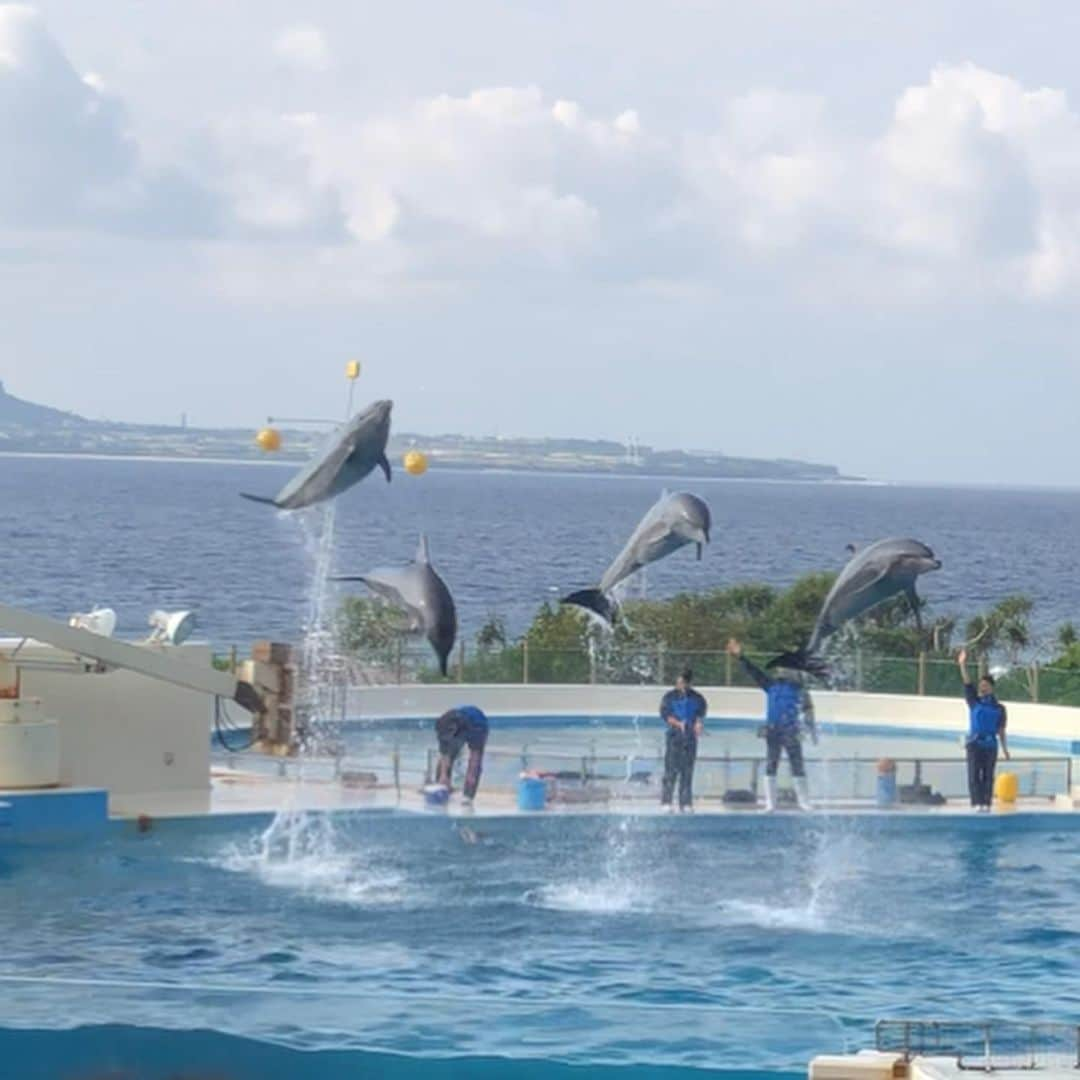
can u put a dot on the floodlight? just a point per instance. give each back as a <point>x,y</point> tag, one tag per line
<point>172,627</point>
<point>99,621</point>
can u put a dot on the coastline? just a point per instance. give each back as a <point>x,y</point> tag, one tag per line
<point>457,467</point>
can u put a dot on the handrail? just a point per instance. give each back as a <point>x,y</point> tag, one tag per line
<point>522,663</point>
<point>983,1045</point>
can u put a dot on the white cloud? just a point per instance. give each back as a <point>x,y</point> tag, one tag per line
<point>303,47</point>
<point>69,159</point>
<point>972,185</point>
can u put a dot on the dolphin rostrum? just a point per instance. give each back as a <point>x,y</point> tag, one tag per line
<point>885,569</point>
<point>675,521</point>
<point>422,595</point>
<point>348,456</point>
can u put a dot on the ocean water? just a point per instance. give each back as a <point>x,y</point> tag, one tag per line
<point>140,535</point>
<point>629,947</point>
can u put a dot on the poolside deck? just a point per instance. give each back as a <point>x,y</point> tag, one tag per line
<point>263,790</point>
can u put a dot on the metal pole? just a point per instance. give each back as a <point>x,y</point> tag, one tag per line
<point>660,663</point>
<point>728,668</point>
<point>922,673</point>
<point>397,660</point>
<point>525,660</point>
<point>461,661</point>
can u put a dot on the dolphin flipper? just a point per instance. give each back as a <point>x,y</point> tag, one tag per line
<point>384,464</point>
<point>596,601</point>
<point>801,660</point>
<point>258,499</point>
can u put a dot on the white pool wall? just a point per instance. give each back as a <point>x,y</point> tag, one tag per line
<point>906,712</point>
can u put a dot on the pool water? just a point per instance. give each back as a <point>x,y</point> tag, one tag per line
<point>737,943</point>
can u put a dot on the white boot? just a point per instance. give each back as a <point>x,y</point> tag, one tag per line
<point>770,794</point>
<point>802,793</point>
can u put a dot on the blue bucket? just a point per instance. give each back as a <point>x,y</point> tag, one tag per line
<point>436,795</point>
<point>532,793</point>
<point>886,789</point>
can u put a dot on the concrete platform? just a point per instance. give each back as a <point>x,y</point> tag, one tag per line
<point>262,791</point>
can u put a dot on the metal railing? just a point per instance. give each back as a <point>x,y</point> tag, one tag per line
<point>983,1045</point>
<point>919,780</point>
<point>861,671</point>
<point>637,774</point>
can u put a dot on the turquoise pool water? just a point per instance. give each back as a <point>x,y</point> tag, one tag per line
<point>552,947</point>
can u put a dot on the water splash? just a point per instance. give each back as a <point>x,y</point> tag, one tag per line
<point>303,852</point>
<point>320,692</point>
<point>612,881</point>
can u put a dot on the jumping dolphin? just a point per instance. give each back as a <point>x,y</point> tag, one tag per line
<point>420,593</point>
<point>675,521</point>
<point>884,569</point>
<point>347,457</point>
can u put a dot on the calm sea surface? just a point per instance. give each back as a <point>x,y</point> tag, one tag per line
<point>136,535</point>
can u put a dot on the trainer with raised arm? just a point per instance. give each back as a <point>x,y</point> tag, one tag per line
<point>788,709</point>
<point>683,712</point>
<point>986,728</point>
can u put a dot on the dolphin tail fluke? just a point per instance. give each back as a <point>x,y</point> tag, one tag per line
<point>801,660</point>
<point>595,600</point>
<point>258,498</point>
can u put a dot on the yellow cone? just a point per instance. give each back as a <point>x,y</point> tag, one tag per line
<point>1006,787</point>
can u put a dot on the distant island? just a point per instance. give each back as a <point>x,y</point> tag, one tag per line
<point>29,428</point>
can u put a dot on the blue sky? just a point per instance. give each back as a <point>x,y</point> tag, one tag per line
<point>845,231</point>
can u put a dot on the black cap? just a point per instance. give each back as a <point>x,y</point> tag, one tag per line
<point>687,674</point>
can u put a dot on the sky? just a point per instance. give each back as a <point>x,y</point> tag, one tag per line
<point>845,231</point>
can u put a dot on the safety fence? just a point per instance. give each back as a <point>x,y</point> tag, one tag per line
<point>597,777</point>
<point>984,1045</point>
<point>859,671</point>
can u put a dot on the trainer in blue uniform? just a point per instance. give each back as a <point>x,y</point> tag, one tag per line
<point>788,709</point>
<point>683,711</point>
<point>464,726</point>
<point>986,728</point>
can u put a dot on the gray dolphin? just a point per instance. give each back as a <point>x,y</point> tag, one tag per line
<point>418,591</point>
<point>675,521</point>
<point>347,457</point>
<point>885,569</point>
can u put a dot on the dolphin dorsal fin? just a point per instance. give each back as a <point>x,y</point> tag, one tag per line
<point>423,550</point>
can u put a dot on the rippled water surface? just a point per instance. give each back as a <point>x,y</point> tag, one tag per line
<point>139,535</point>
<point>742,943</point>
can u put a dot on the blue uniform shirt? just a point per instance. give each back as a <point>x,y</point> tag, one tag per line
<point>987,718</point>
<point>476,725</point>
<point>689,708</point>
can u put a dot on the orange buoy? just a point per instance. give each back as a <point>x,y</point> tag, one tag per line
<point>416,462</point>
<point>269,439</point>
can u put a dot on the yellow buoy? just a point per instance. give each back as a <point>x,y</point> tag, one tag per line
<point>415,462</point>
<point>269,439</point>
<point>1006,787</point>
<point>352,369</point>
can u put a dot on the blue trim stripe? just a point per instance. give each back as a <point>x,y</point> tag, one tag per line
<point>23,812</point>
<point>524,722</point>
